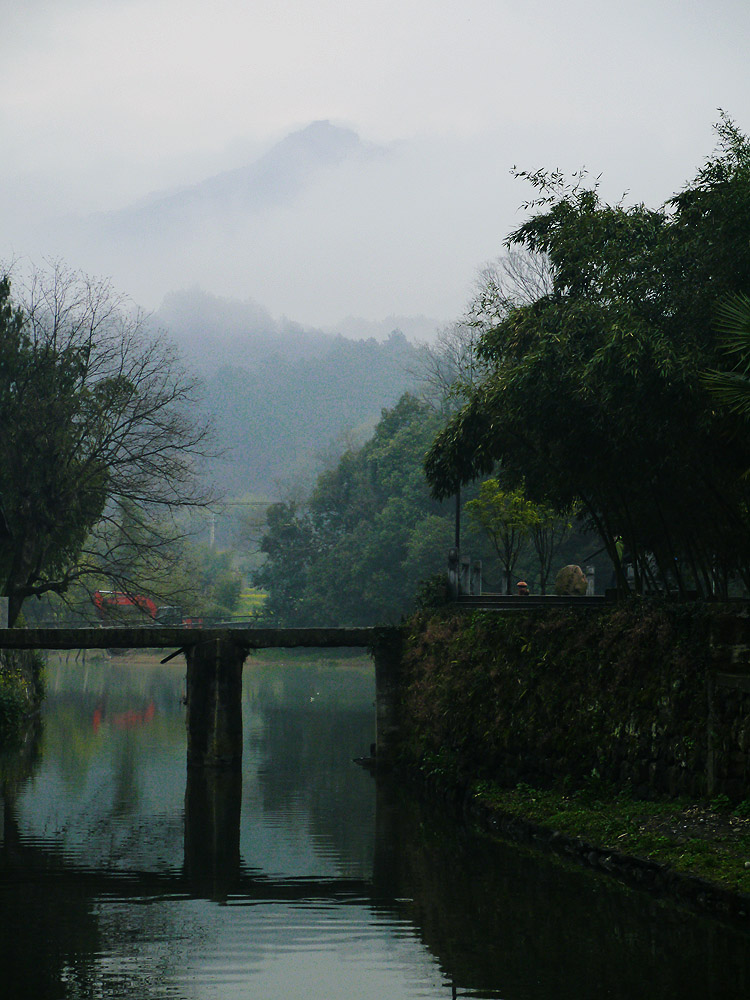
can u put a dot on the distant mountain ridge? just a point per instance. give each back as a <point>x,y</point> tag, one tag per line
<point>275,179</point>
<point>317,227</point>
<point>212,331</point>
<point>287,398</point>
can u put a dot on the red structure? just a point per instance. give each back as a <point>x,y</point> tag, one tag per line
<point>114,601</point>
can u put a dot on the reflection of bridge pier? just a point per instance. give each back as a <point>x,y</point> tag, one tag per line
<point>213,800</point>
<point>215,657</point>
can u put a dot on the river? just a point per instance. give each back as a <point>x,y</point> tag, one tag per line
<point>121,876</point>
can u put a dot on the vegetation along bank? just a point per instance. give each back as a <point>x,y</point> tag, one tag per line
<point>622,732</point>
<point>21,691</point>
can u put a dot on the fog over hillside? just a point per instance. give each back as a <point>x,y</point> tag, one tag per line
<point>276,178</point>
<point>339,160</point>
<point>280,420</point>
<point>286,400</point>
<point>212,331</point>
<point>324,228</point>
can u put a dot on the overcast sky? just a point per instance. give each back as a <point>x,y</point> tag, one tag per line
<point>104,101</point>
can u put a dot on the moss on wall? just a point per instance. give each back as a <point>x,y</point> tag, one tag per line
<point>547,696</point>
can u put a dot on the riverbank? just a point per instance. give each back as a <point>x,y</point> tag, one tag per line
<point>21,692</point>
<point>695,853</point>
<point>619,739</point>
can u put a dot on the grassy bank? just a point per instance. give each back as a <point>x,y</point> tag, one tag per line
<point>707,840</point>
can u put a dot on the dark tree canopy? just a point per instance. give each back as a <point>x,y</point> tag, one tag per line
<point>595,393</point>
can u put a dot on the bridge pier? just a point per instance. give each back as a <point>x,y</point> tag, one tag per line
<point>386,653</point>
<point>214,673</point>
<point>214,703</point>
<point>214,699</point>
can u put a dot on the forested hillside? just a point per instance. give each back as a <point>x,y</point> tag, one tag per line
<point>355,552</point>
<point>612,398</point>
<point>369,543</point>
<point>282,420</point>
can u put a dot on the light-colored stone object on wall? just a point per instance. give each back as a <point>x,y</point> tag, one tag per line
<point>571,582</point>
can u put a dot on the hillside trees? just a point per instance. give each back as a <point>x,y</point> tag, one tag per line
<point>300,410</point>
<point>594,391</point>
<point>369,533</point>
<point>99,446</point>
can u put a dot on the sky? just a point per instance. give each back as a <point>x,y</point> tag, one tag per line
<point>103,102</point>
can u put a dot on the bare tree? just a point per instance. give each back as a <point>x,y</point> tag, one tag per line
<point>452,365</point>
<point>102,445</point>
<point>448,367</point>
<point>514,279</point>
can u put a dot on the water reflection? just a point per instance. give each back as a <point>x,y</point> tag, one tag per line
<point>121,876</point>
<point>212,831</point>
<point>505,922</point>
<point>45,919</point>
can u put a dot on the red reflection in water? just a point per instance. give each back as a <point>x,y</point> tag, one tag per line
<point>124,720</point>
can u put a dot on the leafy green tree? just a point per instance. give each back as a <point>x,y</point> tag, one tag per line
<point>593,392</point>
<point>732,388</point>
<point>506,516</point>
<point>368,534</point>
<point>99,444</point>
<point>289,548</point>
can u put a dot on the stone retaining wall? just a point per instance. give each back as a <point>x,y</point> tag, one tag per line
<point>655,697</point>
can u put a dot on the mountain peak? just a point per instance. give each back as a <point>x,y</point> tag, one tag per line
<point>279,175</point>
<point>323,134</point>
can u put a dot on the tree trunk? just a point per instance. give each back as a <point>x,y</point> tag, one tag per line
<point>14,609</point>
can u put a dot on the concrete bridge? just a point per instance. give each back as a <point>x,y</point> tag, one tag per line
<point>215,657</point>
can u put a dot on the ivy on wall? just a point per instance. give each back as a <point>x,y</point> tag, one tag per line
<point>559,695</point>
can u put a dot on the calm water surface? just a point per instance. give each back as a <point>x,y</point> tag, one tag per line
<point>121,876</point>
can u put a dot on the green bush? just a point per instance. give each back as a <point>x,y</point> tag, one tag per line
<point>21,690</point>
<point>12,708</point>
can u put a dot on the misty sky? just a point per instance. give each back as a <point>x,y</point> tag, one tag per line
<point>104,101</point>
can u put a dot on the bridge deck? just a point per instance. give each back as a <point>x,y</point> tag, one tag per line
<point>181,638</point>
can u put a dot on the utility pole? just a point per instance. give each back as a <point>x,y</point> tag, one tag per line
<point>457,541</point>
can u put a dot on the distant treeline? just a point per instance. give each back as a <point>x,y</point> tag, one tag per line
<point>370,543</point>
